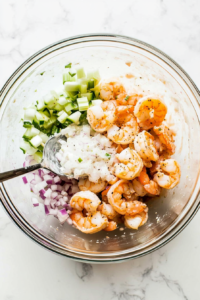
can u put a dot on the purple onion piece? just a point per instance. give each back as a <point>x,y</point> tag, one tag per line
<point>25,180</point>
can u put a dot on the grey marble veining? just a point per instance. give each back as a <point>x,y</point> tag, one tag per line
<point>27,271</point>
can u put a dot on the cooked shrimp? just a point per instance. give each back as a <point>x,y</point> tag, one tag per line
<point>150,111</point>
<point>104,194</point>
<point>144,145</point>
<point>120,204</point>
<point>149,185</point>
<point>133,222</point>
<point>112,225</point>
<point>156,165</point>
<point>125,126</point>
<point>138,187</point>
<point>166,137</point>
<point>124,99</point>
<point>90,224</point>
<point>85,184</point>
<point>170,175</point>
<point>85,200</point>
<point>108,211</point>
<point>101,117</point>
<point>110,91</point>
<point>130,164</point>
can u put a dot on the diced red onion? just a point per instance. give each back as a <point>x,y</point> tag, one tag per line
<point>42,192</point>
<point>59,197</point>
<point>54,187</point>
<point>62,215</point>
<point>58,203</point>
<point>65,198</point>
<point>53,211</point>
<point>53,202</point>
<point>47,201</point>
<point>54,195</point>
<point>50,181</point>
<point>35,202</point>
<point>74,189</point>
<point>37,178</point>
<point>56,179</point>
<point>66,186</point>
<point>40,172</point>
<point>48,193</point>
<point>25,180</point>
<point>24,164</point>
<point>47,177</point>
<point>41,185</point>
<point>59,188</point>
<point>63,193</point>
<point>46,209</point>
<point>45,171</point>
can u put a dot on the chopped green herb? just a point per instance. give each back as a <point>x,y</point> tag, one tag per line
<point>108,155</point>
<point>42,73</point>
<point>72,74</point>
<point>127,97</point>
<point>61,95</point>
<point>80,160</point>
<point>35,91</point>
<point>159,129</point>
<point>69,65</point>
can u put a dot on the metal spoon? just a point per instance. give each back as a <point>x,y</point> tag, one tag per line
<point>49,160</point>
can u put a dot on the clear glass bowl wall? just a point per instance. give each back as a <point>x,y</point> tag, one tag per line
<point>169,213</point>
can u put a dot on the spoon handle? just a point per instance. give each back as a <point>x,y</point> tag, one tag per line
<point>18,172</point>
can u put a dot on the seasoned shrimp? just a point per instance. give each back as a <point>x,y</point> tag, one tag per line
<point>149,185</point>
<point>138,187</point>
<point>166,136</point>
<point>111,90</point>
<point>85,200</point>
<point>170,175</point>
<point>130,164</point>
<point>108,211</point>
<point>125,126</point>
<point>120,204</point>
<point>85,184</point>
<point>101,117</point>
<point>144,145</point>
<point>150,111</point>
<point>112,225</point>
<point>133,222</point>
<point>89,224</point>
<point>124,99</point>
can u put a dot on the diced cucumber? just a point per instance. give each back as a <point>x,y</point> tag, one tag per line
<point>44,137</point>
<point>80,72</point>
<point>38,157</point>
<point>26,148</point>
<point>83,103</point>
<point>30,132</point>
<point>88,95</point>
<point>63,117</point>
<point>83,88</point>
<point>41,116</point>
<point>50,122</point>
<point>93,74</point>
<point>36,141</point>
<point>63,101</point>
<point>29,114</point>
<point>40,105</point>
<point>60,113</point>
<point>27,124</point>
<point>72,86</point>
<point>91,84</point>
<point>74,118</point>
<point>71,106</point>
<point>58,107</point>
<point>49,100</point>
<point>96,102</point>
<point>55,129</point>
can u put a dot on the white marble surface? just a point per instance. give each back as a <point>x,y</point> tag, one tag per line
<point>28,271</point>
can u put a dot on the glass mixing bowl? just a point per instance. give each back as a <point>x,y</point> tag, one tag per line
<point>114,56</point>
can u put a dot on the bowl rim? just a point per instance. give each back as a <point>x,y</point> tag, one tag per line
<point>4,198</point>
